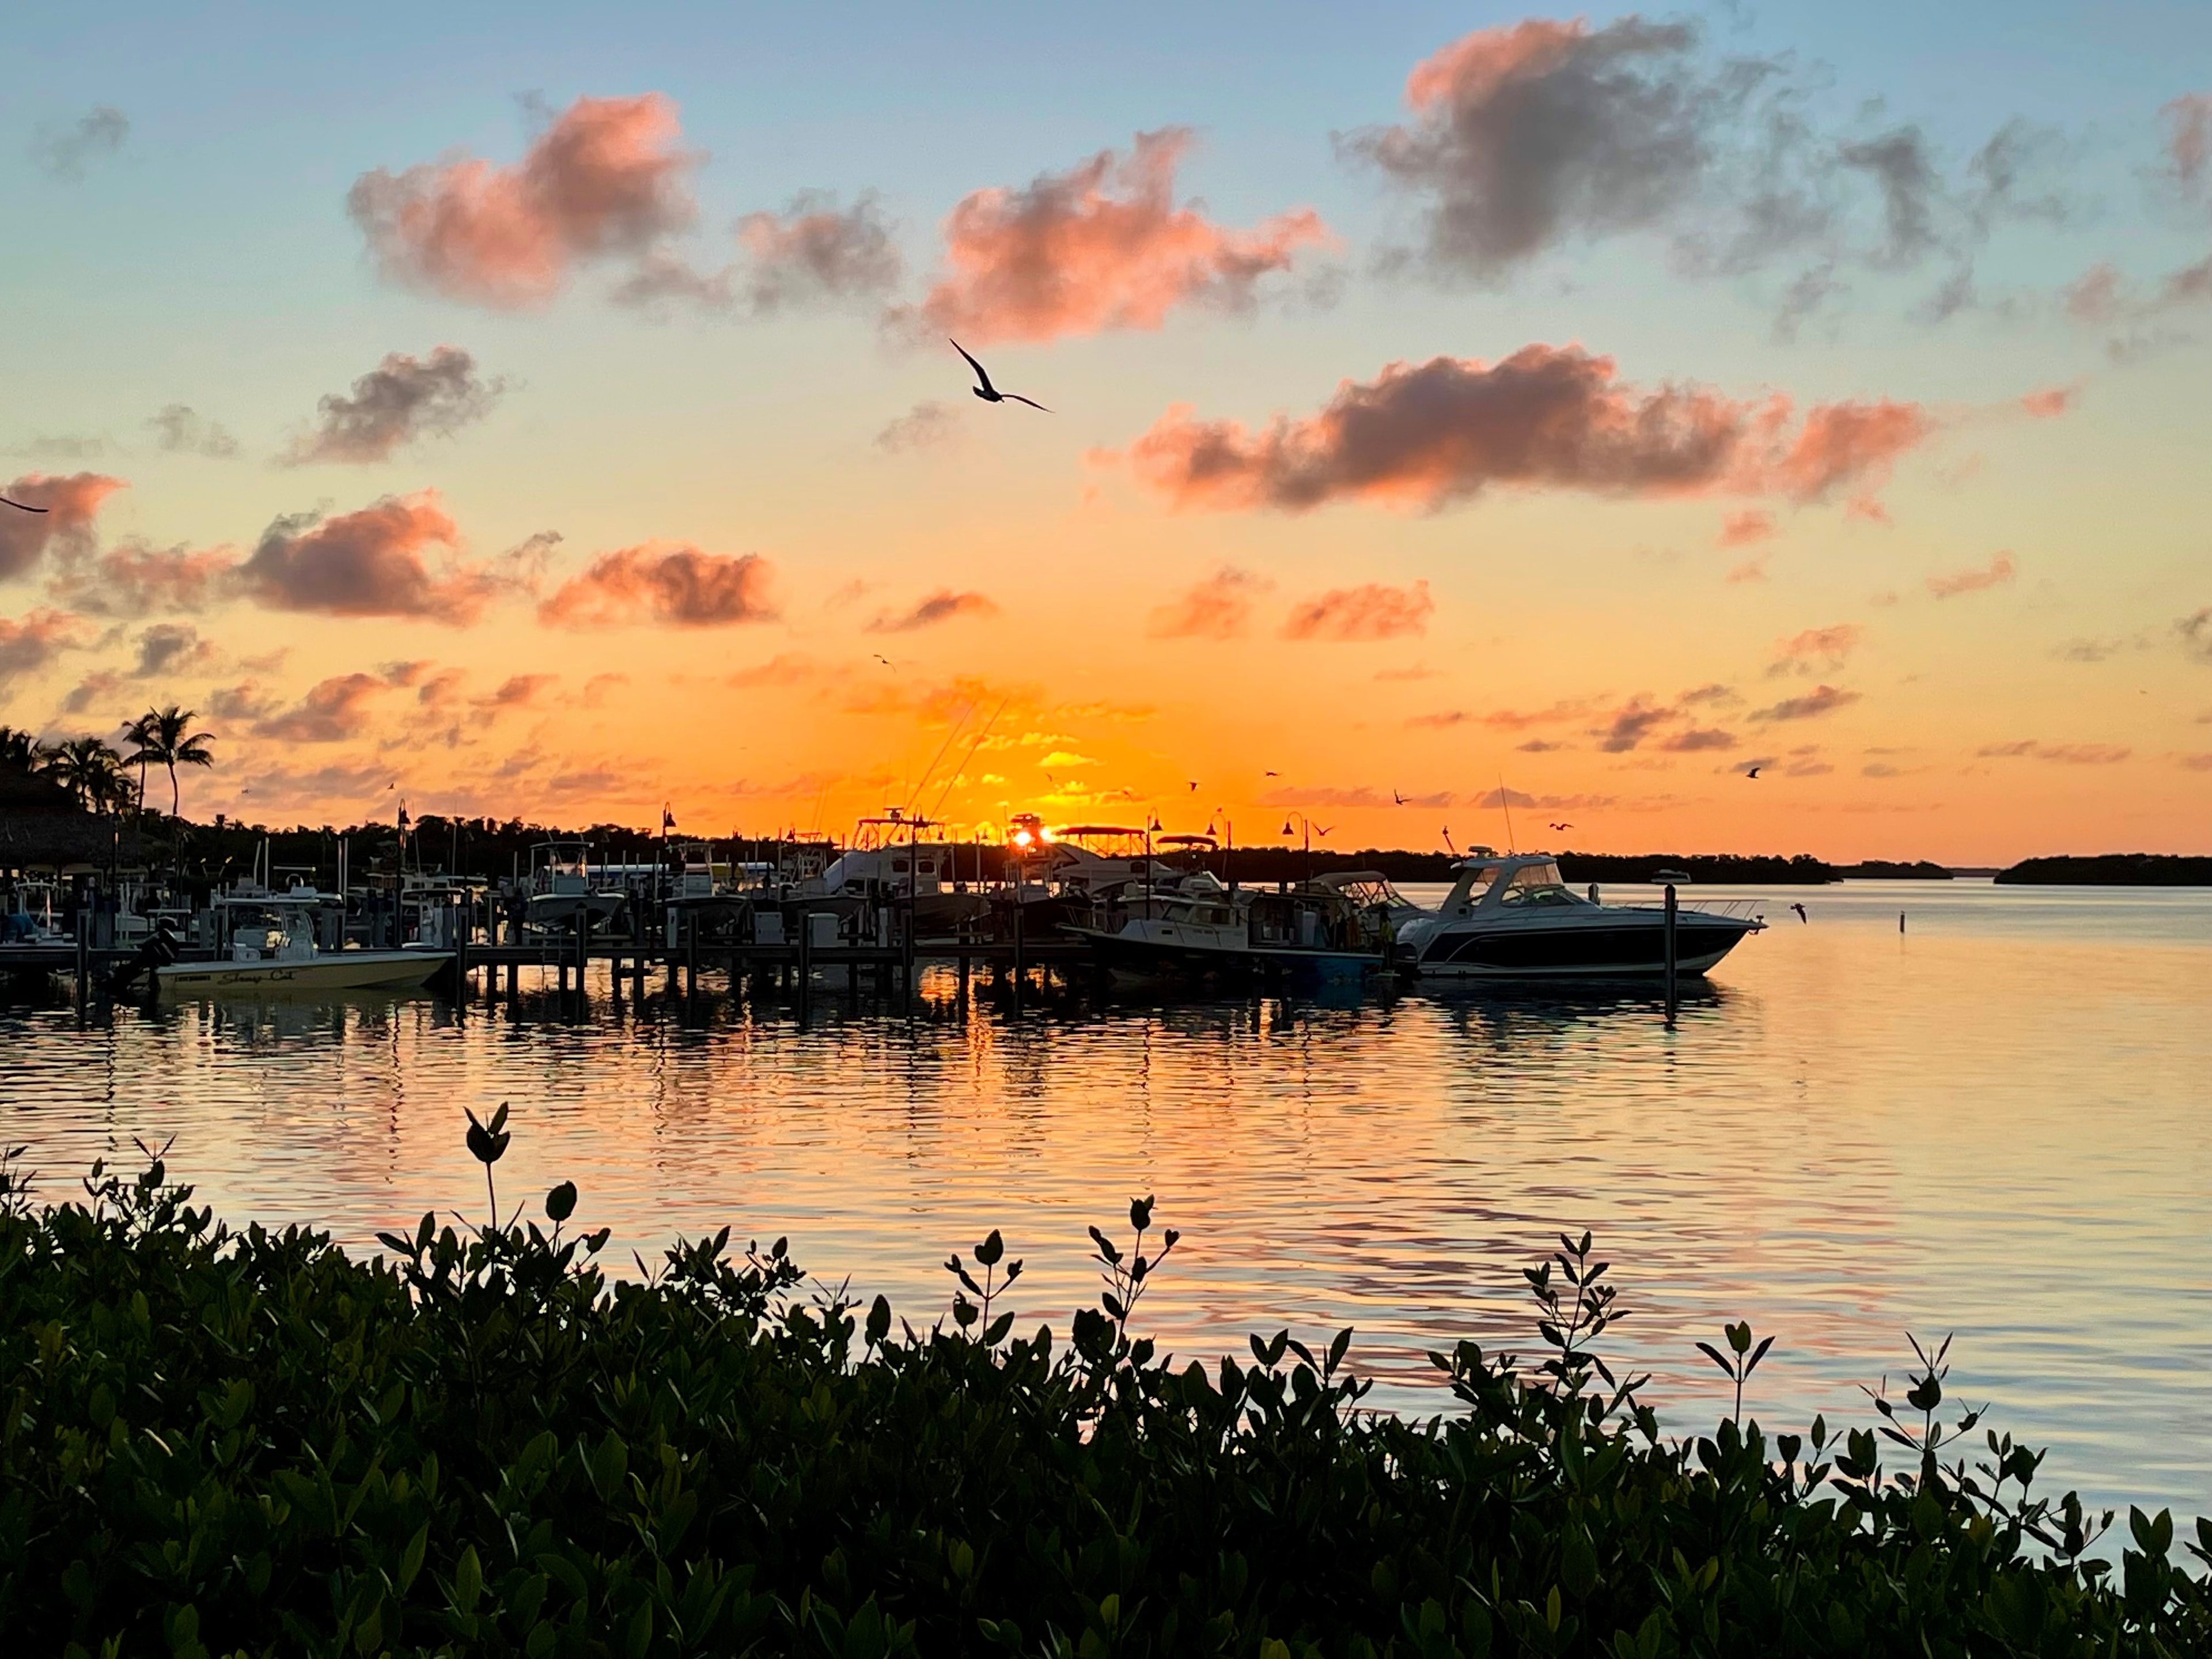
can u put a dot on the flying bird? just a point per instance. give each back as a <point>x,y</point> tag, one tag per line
<point>1271,774</point>
<point>1800,909</point>
<point>986,390</point>
<point>1563,826</point>
<point>1752,773</point>
<point>1194,788</point>
<point>1395,796</point>
<point>24,507</point>
<point>1323,829</point>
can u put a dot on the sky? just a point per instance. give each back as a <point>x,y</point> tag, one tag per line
<point>550,412</point>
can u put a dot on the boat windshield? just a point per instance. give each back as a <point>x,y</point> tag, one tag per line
<point>1536,883</point>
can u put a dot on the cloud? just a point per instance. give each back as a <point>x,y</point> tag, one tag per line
<point>62,152</point>
<point>1828,648</point>
<point>1698,739</point>
<point>2188,139</point>
<point>179,429</point>
<point>401,399</point>
<point>1821,700</point>
<point>95,686</point>
<point>29,644</point>
<point>925,425</point>
<point>1369,611</point>
<point>1427,435</point>
<point>812,253</point>
<point>516,691</point>
<point>134,579</point>
<point>784,669</point>
<point>1997,571</point>
<point>1524,138</point>
<point>1502,796</point>
<point>172,648</point>
<point>71,506</point>
<point>2050,402</point>
<point>942,607</point>
<point>2196,634</point>
<point>333,711</point>
<point>1630,725</point>
<point>605,179</point>
<point>1411,671</point>
<point>245,702</point>
<point>368,563</point>
<point>1100,246</point>
<point>1752,570</point>
<point>1219,608</point>
<point>1747,528</point>
<point>670,583</point>
<point>2058,754</point>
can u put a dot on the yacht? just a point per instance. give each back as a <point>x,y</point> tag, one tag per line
<point>273,948</point>
<point>1336,928</point>
<point>1512,917</point>
<point>890,860</point>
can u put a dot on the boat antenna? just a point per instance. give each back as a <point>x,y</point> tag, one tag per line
<point>913,799</point>
<point>1505,801</point>
<point>943,794</point>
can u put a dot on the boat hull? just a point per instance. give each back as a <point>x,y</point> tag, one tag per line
<point>1611,949</point>
<point>1141,957</point>
<point>342,970</point>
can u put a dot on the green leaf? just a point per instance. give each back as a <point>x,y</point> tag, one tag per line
<point>468,1581</point>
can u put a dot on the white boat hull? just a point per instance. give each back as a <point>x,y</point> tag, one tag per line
<point>341,971</point>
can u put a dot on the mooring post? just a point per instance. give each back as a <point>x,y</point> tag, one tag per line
<point>83,959</point>
<point>1674,1001</point>
<point>1017,944</point>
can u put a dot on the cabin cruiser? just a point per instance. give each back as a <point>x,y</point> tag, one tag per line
<point>273,947</point>
<point>1337,927</point>
<point>565,887</point>
<point>889,860</point>
<point>1512,917</point>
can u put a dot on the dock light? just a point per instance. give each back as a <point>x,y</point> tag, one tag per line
<point>1021,837</point>
<point>1286,826</point>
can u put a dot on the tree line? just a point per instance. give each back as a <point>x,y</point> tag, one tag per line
<point>98,775</point>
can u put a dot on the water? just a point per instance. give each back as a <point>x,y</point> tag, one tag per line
<point>1993,1124</point>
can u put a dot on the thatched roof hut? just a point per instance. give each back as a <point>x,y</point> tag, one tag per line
<point>43,828</point>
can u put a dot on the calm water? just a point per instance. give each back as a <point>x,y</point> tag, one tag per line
<point>1994,1124</point>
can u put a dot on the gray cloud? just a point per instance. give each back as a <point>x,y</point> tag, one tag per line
<point>812,253</point>
<point>924,425</point>
<point>181,430</point>
<point>170,648</point>
<point>401,399</point>
<point>63,151</point>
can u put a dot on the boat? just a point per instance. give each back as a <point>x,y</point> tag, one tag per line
<point>271,940</point>
<point>889,862</point>
<point>1331,929</point>
<point>565,887</point>
<point>1511,917</point>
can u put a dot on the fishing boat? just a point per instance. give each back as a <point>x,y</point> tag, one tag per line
<point>1511,917</point>
<point>1330,930</point>
<point>890,861</point>
<point>273,949</point>
<point>566,889</point>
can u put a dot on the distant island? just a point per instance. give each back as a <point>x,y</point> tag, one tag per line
<point>2110,870</point>
<point>1888,870</point>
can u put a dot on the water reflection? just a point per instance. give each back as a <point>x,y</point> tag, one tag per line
<point>1985,1124</point>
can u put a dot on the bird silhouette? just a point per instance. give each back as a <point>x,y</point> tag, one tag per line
<point>24,507</point>
<point>986,390</point>
<point>1752,773</point>
<point>1194,788</point>
<point>1323,829</point>
<point>1271,774</point>
<point>1398,797</point>
<point>882,659</point>
<point>1563,826</point>
<point>1800,909</point>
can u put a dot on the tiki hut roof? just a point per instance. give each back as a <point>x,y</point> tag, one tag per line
<point>42,826</point>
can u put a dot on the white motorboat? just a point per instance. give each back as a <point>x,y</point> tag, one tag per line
<point>889,860</point>
<point>1511,917</point>
<point>1329,930</point>
<point>565,887</point>
<point>273,951</point>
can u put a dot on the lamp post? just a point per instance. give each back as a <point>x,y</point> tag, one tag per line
<point>1305,825</point>
<point>1670,877</point>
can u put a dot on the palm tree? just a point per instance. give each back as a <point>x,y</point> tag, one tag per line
<point>89,769</point>
<point>18,747</point>
<point>165,737</point>
<point>140,735</point>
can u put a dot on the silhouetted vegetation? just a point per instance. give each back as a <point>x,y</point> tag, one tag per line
<point>249,1442</point>
<point>2111,870</point>
<point>1888,870</point>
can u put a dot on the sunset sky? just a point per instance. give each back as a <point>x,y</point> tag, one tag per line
<point>548,411</point>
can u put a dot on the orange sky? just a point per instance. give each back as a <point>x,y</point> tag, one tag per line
<point>1403,471</point>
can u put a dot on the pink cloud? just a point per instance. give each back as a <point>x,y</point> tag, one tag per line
<point>2050,402</point>
<point>1747,528</point>
<point>658,582</point>
<point>1100,246</point>
<point>605,178</point>
<point>1997,572</point>
<point>1826,648</point>
<point>942,606</point>
<point>71,505</point>
<point>1219,608</point>
<point>133,579</point>
<point>1429,434</point>
<point>30,644</point>
<point>2189,137</point>
<point>368,563</point>
<point>333,711</point>
<point>1370,612</point>
<point>2058,754</point>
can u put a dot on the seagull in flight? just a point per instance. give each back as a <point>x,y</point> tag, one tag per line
<point>1323,829</point>
<point>986,390</point>
<point>1752,773</point>
<point>1800,909</point>
<point>1563,826</point>
<point>882,659</point>
<point>22,506</point>
<point>1271,774</point>
<point>1395,796</point>
<point>1194,788</point>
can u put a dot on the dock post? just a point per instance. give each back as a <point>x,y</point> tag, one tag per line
<point>907,951</point>
<point>1672,995</point>
<point>691,953</point>
<point>83,960</point>
<point>1019,970</point>
<point>804,976</point>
